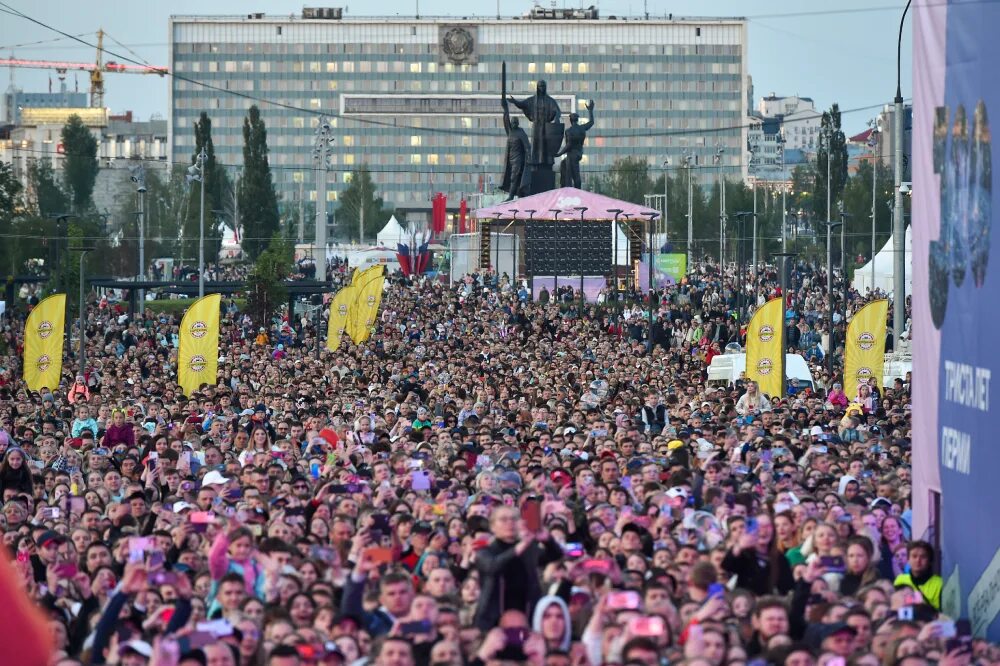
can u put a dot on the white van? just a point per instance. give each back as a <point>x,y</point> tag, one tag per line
<point>727,368</point>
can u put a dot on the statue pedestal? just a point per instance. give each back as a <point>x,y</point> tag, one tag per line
<point>543,178</point>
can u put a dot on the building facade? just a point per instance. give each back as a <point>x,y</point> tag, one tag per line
<point>418,100</point>
<point>798,119</point>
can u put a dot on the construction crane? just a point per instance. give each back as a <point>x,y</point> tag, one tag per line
<point>97,69</point>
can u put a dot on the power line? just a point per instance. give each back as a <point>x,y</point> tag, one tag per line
<point>471,169</point>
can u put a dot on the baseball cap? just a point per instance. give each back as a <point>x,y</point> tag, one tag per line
<point>139,647</point>
<point>674,444</point>
<point>676,492</point>
<point>816,431</point>
<point>182,506</point>
<point>214,478</point>
<point>48,536</point>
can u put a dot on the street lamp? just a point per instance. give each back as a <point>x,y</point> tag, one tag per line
<point>196,172</point>
<point>322,148</point>
<point>649,227</point>
<point>898,223</point>
<point>61,219</point>
<point>843,259</point>
<point>555,264</point>
<point>138,176</point>
<point>689,160</point>
<point>582,209</point>
<point>83,313</point>
<point>830,226</point>
<point>666,182</point>
<point>873,138</point>
<point>614,242</point>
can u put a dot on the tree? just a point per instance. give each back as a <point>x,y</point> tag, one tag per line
<point>627,179</point>
<point>49,197</point>
<point>858,206</point>
<point>266,291</point>
<point>11,194</point>
<point>257,198</point>
<point>216,182</point>
<point>832,150</point>
<point>80,165</point>
<point>360,193</point>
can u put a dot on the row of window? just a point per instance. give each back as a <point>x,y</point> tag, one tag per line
<point>483,49</point>
<point>667,67</point>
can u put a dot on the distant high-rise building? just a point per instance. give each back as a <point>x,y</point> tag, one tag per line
<point>418,100</point>
<point>15,99</point>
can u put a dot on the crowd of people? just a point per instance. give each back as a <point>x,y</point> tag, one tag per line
<point>488,480</point>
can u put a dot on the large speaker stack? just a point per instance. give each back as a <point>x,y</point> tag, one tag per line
<point>568,247</point>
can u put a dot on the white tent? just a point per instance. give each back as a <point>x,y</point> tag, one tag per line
<point>883,265</point>
<point>392,234</point>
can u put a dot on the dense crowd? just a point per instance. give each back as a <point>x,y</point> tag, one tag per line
<point>488,480</point>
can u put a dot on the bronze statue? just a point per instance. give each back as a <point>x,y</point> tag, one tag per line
<point>576,135</point>
<point>516,176</point>
<point>546,126</point>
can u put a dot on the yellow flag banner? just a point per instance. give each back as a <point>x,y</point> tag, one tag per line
<point>44,334</point>
<point>360,277</point>
<point>765,347</point>
<point>366,309</point>
<point>865,349</point>
<point>198,356</point>
<point>340,310</point>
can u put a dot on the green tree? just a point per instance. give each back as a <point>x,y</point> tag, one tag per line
<point>266,291</point>
<point>80,165</point>
<point>627,179</point>
<point>858,206</point>
<point>359,194</point>
<point>257,198</point>
<point>832,151</point>
<point>216,183</point>
<point>49,197</point>
<point>11,195</point>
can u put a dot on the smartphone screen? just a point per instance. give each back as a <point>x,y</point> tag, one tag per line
<point>531,514</point>
<point>623,600</point>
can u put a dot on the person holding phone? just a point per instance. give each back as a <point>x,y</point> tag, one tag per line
<point>508,567</point>
<point>756,560</point>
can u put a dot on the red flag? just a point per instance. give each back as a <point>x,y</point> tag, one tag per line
<point>463,210</point>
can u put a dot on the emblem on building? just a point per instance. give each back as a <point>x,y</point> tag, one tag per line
<point>458,44</point>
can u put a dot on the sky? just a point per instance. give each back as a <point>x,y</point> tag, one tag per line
<point>843,52</point>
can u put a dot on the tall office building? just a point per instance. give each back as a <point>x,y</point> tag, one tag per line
<point>418,99</point>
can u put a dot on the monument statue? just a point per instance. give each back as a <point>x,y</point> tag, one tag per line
<point>516,175</point>
<point>576,134</point>
<point>546,127</point>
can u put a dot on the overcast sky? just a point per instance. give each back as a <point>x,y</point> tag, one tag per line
<point>841,52</point>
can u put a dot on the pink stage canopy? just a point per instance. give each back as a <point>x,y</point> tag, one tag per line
<point>566,199</point>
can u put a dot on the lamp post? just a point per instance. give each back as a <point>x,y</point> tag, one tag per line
<point>196,172</point>
<point>83,313</point>
<point>322,147</point>
<point>898,224</point>
<point>582,209</point>
<point>666,182</point>
<point>555,264</point>
<point>784,322</point>
<point>873,138</point>
<point>513,213</point>
<point>139,178</point>
<point>688,160</point>
<point>830,226</point>
<point>722,210</point>
<point>649,227</point>
<point>843,260</point>
<point>614,240</point>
